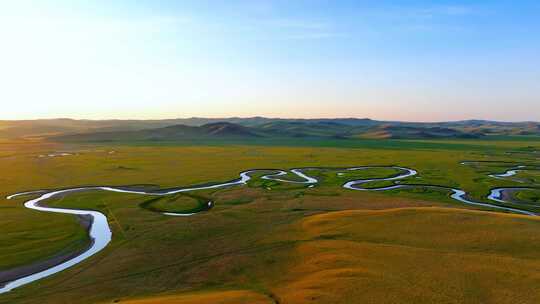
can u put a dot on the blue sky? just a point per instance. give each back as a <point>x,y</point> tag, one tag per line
<point>398,60</point>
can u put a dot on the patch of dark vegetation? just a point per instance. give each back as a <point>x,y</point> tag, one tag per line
<point>239,201</point>
<point>310,210</point>
<point>125,168</point>
<point>322,193</point>
<point>151,204</point>
<point>333,236</point>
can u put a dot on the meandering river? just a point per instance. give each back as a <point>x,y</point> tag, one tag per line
<point>100,232</point>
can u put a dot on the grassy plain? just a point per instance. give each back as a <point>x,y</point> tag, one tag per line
<point>532,196</point>
<point>269,241</point>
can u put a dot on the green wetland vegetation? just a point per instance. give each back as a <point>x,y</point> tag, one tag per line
<point>274,242</point>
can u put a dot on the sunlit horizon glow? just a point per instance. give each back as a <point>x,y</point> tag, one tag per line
<point>414,61</point>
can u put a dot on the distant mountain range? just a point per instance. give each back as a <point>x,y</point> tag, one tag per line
<point>255,127</point>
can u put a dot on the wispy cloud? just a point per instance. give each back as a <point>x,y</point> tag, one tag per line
<point>301,29</point>
<point>419,19</point>
<point>298,24</point>
<point>440,11</point>
<point>423,12</point>
<point>410,19</point>
<point>314,36</point>
<point>457,10</point>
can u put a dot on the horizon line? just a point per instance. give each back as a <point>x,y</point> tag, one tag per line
<point>268,117</point>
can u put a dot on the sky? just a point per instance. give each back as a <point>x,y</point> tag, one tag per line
<point>393,60</point>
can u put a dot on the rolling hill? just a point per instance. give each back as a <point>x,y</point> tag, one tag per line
<point>257,127</point>
<point>219,130</point>
<point>410,132</point>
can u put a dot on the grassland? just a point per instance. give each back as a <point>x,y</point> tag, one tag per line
<point>268,241</point>
<point>436,255</point>
<point>532,197</point>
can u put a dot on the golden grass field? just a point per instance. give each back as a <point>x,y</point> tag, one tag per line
<point>416,255</point>
<point>284,245</point>
<point>437,255</point>
<point>223,297</point>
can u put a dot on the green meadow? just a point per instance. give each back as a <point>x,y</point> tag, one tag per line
<point>273,242</point>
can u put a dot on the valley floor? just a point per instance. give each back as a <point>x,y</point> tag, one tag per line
<point>272,242</point>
